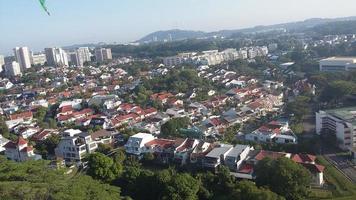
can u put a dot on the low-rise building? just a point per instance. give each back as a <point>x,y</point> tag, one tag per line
<point>20,151</point>
<point>136,143</point>
<point>337,64</point>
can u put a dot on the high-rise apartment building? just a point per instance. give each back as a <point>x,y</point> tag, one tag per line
<point>103,54</point>
<point>23,57</point>
<point>13,69</point>
<point>56,57</point>
<point>38,59</point>
<point>83,54</point>
<point>2,62</point>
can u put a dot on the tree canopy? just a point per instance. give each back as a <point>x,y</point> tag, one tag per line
<point>284,177</point>
<point>36,180</point>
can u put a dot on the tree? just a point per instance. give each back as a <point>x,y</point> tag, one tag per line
<point>40,113</point>
<point>104,148</point>
<point>4,130</point>
<point>103,167</point>
<point>337,90</point>
<point>35,180</point>
<point>171,128</point>
<point>284,177</point>
<point>247,190</point>
<point>181,187</point>
<point>299,107</point>
<point>47,146</point>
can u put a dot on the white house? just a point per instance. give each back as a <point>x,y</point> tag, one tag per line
<point>236,156</point>
<point>136,143</point>
<point>74,145</point>
<point>20,151</point>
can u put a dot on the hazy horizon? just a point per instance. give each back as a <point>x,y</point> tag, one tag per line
<point>89,21</point>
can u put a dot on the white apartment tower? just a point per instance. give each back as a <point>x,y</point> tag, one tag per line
<point>23,57</point>
<point>103,54</point>
<point>341,122</point>
<point>56,57</point>
<point>13,69</point>
<point>83,54</point>
<point>2,62</point>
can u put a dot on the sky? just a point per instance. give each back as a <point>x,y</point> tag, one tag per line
<point>23,23</point>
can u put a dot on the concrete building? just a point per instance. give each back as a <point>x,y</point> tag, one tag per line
<point>23,57</point>
<point>341,122</point>
<point>2,62</point>
<point>20,151</point>
<point>74,145</point>
<point>103,54</point>
<point>13,69</point>
<point>136,143</point>
<point>56,57</point>
<point>337,64</point>
<point>75,60</point>
<point>236,156</point>
<point>84,54</point>
<point>217,156</point>
<point>38,59</point>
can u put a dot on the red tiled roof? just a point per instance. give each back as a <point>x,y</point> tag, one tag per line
<point>27,149</point>
<point>66,109</point>
<point>12,145</point>
<point>187,145</point>
<point>216,121</point>
<point>161,96</point>
<point>303,158</point>
<point>22,115</point>
<point>162,143</point>
<point>270,154</point>
<point>64,117</point>
<point>314,168</point>
<point>246,169</point>
<point>150,111</point>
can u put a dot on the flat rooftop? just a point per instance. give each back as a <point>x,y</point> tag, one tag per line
<point>344,59</point>
<point>347,114</point>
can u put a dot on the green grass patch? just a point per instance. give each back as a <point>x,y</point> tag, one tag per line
<point>337,183</point>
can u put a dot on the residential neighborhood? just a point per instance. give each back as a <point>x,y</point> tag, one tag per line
<point>88,110</point>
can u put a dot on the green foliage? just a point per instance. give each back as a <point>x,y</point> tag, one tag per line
<point>103,168</point>
<point>230,133</point>
<point>104,148</point>
<point>35,180</point>
<point>299,107</point>
<point>47,146</point>
<point>165,184</point>
<point>171,128</point>
<point>177,81</point>
<point>337,90</point>
<point>172,48</point>
<point>4,130</point>
<point>224,186</point>
<point>284,177</point>
<point>247,190</point>
<point>297,128</point>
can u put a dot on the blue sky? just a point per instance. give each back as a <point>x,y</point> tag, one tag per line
<point>23,23</point>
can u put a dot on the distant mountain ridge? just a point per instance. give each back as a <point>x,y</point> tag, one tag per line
<point>177,34</point>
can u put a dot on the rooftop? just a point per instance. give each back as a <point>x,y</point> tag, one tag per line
<point>218,151</point>
<point>346,114</point>
<point>344,59</point>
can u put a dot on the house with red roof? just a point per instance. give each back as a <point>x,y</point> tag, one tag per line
<point>44,134</point>
<point>25,116</point>
<point>182,151</point>
<point>161,97</point>
<point>162,149</point>
<point>20,151</point>
<point>275,131</point>
<point>308,161</point>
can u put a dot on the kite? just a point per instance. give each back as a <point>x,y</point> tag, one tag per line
<point>43,4</point>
